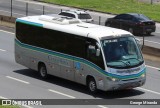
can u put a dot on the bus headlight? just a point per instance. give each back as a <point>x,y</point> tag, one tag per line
<point>143,75</point>
<point>112,79</point>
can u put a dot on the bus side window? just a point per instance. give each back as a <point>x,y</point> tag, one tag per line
<point>93,56</point>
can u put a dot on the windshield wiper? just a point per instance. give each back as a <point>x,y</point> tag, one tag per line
<point>133,58</point>
<point>126,63</point>
<point>139,61</point>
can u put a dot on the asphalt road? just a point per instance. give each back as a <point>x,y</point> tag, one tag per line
<point>19,8</point>
<point>18,82</point>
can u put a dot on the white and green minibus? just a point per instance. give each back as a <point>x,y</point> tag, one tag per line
<point>99,57</point>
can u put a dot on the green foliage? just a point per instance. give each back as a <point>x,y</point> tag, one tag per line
<point>114,6</point>
<point>9,106</point>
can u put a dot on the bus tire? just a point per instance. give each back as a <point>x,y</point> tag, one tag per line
<point>43,71</point>
<point>91,84</point>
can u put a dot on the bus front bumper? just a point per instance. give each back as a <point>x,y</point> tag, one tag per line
<point>125,84</point>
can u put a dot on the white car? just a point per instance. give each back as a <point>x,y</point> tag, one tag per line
<point>78,14</point>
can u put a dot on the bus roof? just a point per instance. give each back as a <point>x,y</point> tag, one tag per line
<point>72,26</point>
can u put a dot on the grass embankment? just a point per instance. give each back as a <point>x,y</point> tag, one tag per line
<point>9,106</point>
<point>114,6</point>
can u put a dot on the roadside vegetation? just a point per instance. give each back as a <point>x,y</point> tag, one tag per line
<point>9,106</point>
<point>114,6</point>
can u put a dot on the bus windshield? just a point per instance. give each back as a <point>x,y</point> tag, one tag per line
<point>122,52</point>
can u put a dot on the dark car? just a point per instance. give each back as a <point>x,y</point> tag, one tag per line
<point>132,22</point>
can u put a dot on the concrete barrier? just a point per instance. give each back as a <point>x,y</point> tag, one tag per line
<point>151,51</point>
<point>146,49</point>
<point>7,19</point>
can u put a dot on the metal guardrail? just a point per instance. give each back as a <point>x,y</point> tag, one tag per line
<point>42,10</point>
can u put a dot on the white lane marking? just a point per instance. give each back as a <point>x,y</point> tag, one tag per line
<point>39,9</point>
<point>101,106</point>
<point>27,106</point>
<point>30,8</point>
<point>149,41</point>
<point>7,32</point>
<point>42,10</point>
<point>62,93</point>
<point>13,13</point>
<point>5,11</point>
<point>18,14</point>
<point>19,0</point>
<point>17,79</point>
<point>152,41</point>
<point>19,5</point>
<point>32,2</point>
<point>1,97</point>
<point>148,90</point>
<point>153,67</point>
<point>2,50</point>
<point>71,96</point>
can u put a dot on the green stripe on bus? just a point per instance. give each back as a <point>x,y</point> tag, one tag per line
<point>77,59</point>
<point>29,23</point>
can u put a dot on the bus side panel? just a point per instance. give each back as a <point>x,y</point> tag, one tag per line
<point>67,69</point>
<point>21,56</point>
<point>86,68</point>
<point>43,56</point>
<point>91,70</point>
<point>30,56</point>
<point>54,65</point>
<point>80,74</point>
<point>61,65</point>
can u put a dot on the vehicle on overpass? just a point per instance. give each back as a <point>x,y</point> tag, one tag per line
<point>132,22</point>
<point>99,57</point>
<point>78,14</point>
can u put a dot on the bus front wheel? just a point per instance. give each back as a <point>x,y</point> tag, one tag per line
<point>43,71</point>
<point>91,83</point>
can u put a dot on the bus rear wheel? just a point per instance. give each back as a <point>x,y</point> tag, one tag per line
<point>91,84</point>
<point>43,71</point>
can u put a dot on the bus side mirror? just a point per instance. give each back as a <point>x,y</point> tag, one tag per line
<point>98,52</point>
<point>139,43</point>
